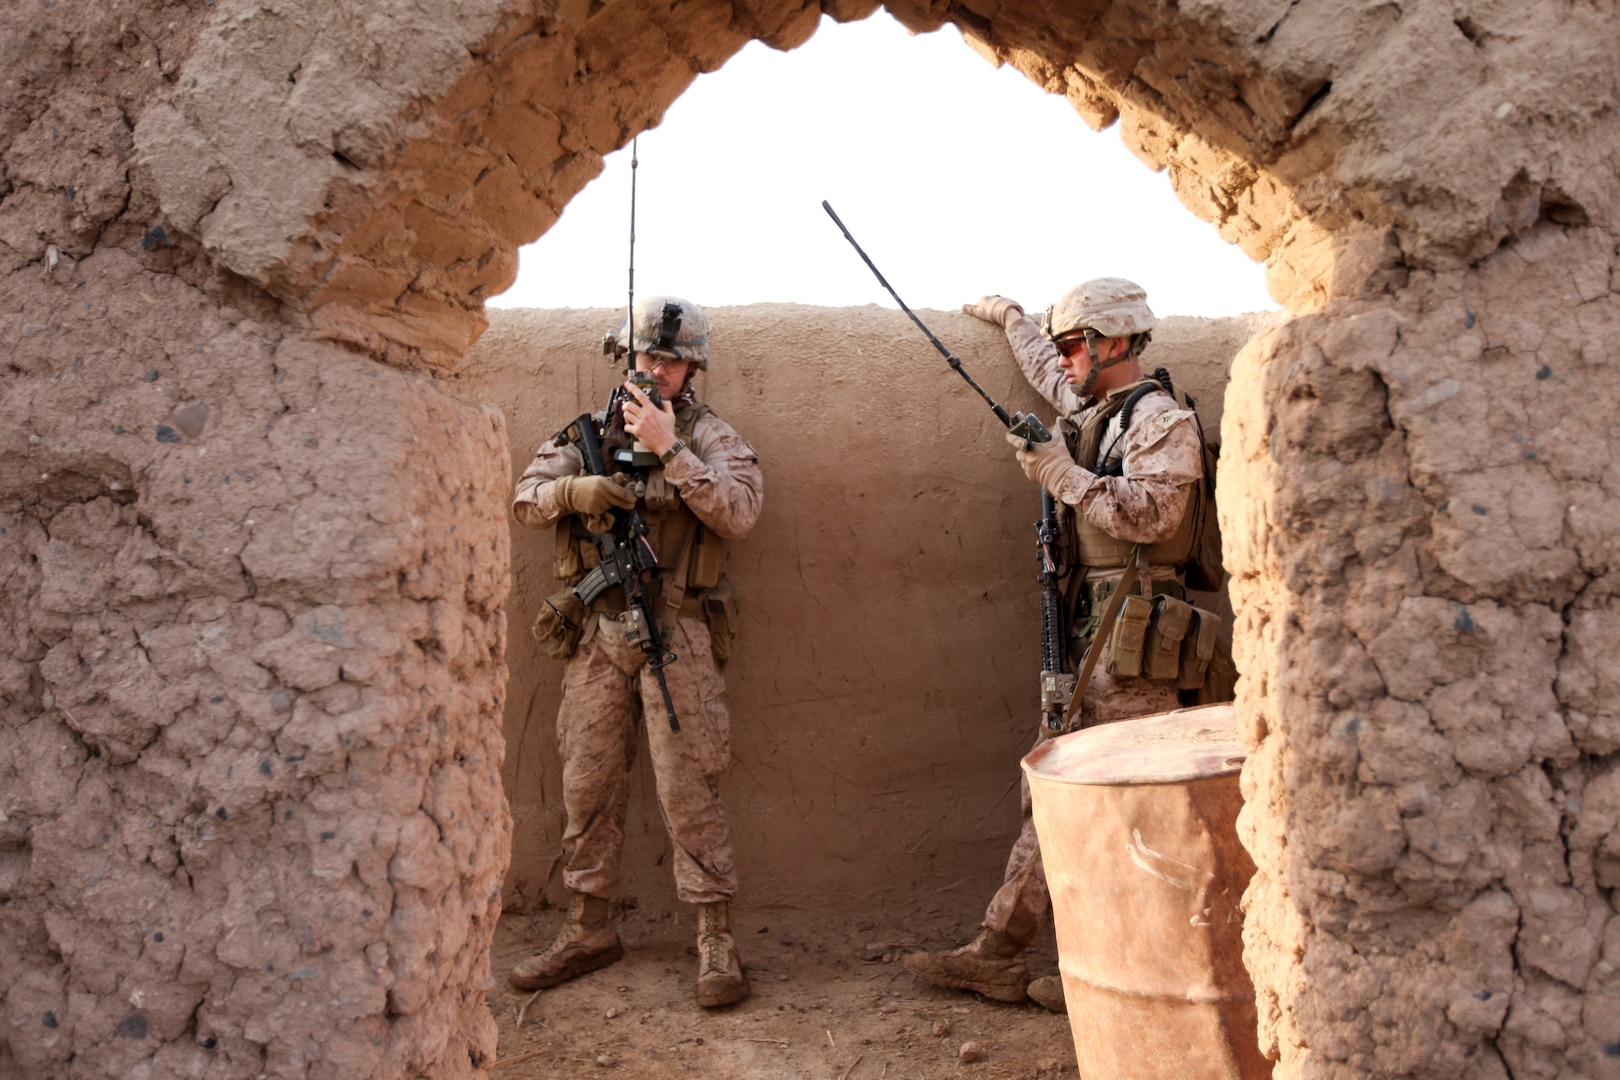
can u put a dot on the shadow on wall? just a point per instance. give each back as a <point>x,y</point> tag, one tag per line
<point>885,680</point>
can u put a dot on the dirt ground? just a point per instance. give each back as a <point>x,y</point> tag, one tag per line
<point>830,1000</point>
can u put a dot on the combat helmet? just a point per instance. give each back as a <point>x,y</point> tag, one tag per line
<point>1107,307</point>
<point>1114,307</point>
<point>666,325</point>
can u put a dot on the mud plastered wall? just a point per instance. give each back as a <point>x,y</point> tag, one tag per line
<point>1432,186</point>
<point>250,656</point>
<point>886,676</point>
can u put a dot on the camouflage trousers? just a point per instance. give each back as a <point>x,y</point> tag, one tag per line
<point>608,691</point>
<point>1022,904</point>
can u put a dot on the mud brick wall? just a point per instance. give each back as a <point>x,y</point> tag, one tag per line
<point>200,199</point>
<point>251,646</point>
<point>886,676</point>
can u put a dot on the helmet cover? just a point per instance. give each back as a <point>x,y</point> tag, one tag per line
<point>1114,307</point>
<point>668,326</point>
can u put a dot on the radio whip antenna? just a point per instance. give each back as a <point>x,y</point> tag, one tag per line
<point>1026,425</point>
<point>630,305</point>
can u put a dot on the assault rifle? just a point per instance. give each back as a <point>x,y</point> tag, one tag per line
<point>1057,682</point>
<point>625,561</point>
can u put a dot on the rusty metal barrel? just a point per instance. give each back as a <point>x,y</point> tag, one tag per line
<point>1138,829</point>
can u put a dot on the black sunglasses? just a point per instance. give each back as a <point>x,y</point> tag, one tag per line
<point>1071,343</point>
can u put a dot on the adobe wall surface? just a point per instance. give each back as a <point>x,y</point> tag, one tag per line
<point>200,199</point>
<point>886,677</point>
<point>251,629</point>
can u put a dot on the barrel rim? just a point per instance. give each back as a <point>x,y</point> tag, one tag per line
<point>1230,749</point>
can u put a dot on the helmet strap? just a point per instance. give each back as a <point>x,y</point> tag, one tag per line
<point>1091,375</point>
<point>1097,365</point>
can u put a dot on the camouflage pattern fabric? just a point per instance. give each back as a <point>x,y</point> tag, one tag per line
<point>717,475</point>
<point>608,691</point>
<point>1163,460</point>
<point>1161,451</point>
<point>1114,307</point>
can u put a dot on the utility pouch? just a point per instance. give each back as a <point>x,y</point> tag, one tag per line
<point>661,494</point>
<point>720,609</point>
<point>566,563</point>
<point>1128,637</point>
<point>559,625</point>
<point>1161,653</point>
<point>1198,649</point>
<point>707,557</point>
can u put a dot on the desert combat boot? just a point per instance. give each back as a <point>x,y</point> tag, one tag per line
<point>991,964</point>
<point>720,975</point>
<point>587,941</point>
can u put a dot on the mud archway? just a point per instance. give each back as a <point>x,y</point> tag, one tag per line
<point>254,600</point>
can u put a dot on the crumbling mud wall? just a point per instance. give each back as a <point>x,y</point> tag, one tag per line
<point>199,199</point>
<point>251,821</point>
<point>886,675</point>
<point>1428,588</point>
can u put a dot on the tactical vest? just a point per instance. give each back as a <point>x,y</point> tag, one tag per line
<point>1091,547</point>
<point>675,533</point>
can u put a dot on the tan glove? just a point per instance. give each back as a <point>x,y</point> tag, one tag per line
<point>1045,463</point>
<point>994,309</point>
<point>592,496</point>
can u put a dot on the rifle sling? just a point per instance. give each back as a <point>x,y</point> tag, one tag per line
<point>677,583</point>
<point>1116,600</point>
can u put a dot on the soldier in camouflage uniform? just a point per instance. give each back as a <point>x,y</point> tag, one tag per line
<point>705,489</point>
<point>1086,363</point>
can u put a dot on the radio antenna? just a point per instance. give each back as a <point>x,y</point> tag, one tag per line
<point>630,305</point>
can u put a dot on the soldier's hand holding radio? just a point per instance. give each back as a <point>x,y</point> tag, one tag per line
<point>1045,463</point>
<point>653,425</point>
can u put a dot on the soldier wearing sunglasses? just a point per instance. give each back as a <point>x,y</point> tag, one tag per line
<point>1125,473</point>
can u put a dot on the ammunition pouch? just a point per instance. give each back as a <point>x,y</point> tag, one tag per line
<point>1129,636</point>
<point>661,496</point>
<point>1093,597</point>
<point>560,624</point>
<point>1157,636</point>
<point>1161,649</point>
<point>568,550</point>
<point>1198,650</point>
<point>707,558</point>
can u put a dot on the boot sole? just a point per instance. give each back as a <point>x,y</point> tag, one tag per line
<point>729,996</point>
<point>572,970</point>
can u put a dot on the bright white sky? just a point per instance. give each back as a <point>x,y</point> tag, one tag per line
<point>957,178</point>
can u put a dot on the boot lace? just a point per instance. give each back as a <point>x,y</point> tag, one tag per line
<point>716,952</point>
<point>715,945</point>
